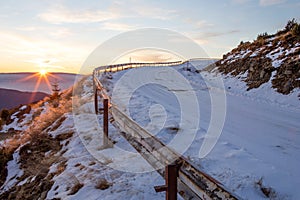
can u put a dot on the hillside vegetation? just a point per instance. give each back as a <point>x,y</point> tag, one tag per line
<point>274,58</point>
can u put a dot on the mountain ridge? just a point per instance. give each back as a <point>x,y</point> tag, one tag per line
<point>10,98</point>
<point>274,58</point>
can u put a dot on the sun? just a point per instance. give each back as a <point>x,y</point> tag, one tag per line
<point>43,72</point>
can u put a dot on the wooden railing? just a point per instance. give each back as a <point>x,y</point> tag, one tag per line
<point>192,183</point>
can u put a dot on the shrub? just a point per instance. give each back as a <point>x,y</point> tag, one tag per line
<point>5,156</point>
<point>262,36</point>
<point>296,30</point>
<point>75,188</point>
<point>102,184</point>
<point>5,115</point>
<point>290,24</point>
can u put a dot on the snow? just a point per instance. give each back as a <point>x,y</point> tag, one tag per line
<point>274,55</point>
<point>15,124</point>
<point>260,138</point>
<point>255,53</point>
<point>87,163</point>
<point>201,63</point>
<point>13,172</point>
<point>235,56</point>
<point>23,107</point>
<point>292,50</point>
<point>84,168</point>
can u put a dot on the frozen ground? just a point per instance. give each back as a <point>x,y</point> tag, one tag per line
<point>259,148</point>
<point>81,169</point>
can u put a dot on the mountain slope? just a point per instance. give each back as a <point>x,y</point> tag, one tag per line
<point>54,152</point>
<point>12,98</point>
<point>46,157</point>
<point>270,58</point>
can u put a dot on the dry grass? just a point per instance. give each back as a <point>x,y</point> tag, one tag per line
<point>267,191</point>
<point>75,188</point>
<point>103,184</point>
<point>5,156</point>
<point>34,163</point>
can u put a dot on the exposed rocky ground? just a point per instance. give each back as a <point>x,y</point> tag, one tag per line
<point>27,151</point>
<point>274,58</point>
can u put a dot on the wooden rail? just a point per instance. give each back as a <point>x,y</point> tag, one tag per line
<point>123,66</point>
<point>192,183</point>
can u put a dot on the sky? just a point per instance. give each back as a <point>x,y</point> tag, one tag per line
<point>59,35</point>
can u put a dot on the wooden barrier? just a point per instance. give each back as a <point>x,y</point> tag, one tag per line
<point>190,182</point>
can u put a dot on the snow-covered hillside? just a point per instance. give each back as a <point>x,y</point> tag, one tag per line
<point>44,156</point>
<point>49,150</point>
<point>257,153</point>
<point>270,59</point>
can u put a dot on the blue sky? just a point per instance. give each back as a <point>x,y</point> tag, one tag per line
<point>58,35</point>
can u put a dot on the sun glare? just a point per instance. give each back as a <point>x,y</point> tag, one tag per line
<point>43,72</point>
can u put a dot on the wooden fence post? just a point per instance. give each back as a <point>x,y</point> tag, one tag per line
<point>171,174</point>
<point>96,100</point>
<point>105,122</point>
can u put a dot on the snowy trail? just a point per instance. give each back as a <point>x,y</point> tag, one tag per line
<point>259,139</point>
<point>262,140</point>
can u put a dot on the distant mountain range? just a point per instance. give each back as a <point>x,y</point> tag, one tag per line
<point>32,82</point>
<point>13,98</point>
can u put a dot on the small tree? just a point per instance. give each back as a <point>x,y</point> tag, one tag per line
<point>296,30</point>
<point>5,114</point>
<point>55,93</point>
<point>55,89</point>
<point>262,36</point>
<point>290,24</point>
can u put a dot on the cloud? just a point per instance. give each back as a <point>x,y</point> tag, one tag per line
<point>203,38</point>
<point>239,1</point>
<point>203,24</point>
<point>18,49</point>
<point>154,12</point>
<point>201,41</point>
<point>116,26</point>
<point>59,15</point>
<point>148,55</point>
<point>198,24</point>
<point>270,2</point>
<point>141,9</point>
<point>216,34</point>
<point>46,63</point>
<point>57,32</point>
<point>61,33</point>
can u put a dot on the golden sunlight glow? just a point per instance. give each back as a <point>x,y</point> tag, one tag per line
<point>43,72</point>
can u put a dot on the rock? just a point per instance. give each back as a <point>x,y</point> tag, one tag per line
<point>287,87</point>
<point>262,74</point>
<point>288,72</point>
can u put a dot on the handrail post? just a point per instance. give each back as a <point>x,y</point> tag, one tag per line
<point>171,174</point>
<point>105,122</point>
<point>96,100</point>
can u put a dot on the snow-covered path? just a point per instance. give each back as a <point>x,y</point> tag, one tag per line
<point>260,139</point>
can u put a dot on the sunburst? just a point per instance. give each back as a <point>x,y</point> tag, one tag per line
<point>42,75</point>
<point>43,72</point>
